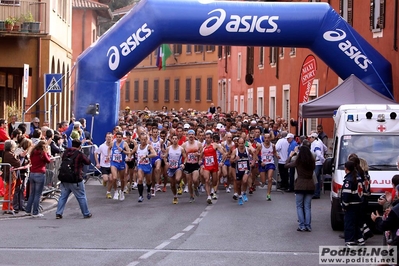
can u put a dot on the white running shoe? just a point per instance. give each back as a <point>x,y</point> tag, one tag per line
<point>152,192</point>
<point>116,195</point>
<point>134,186</point>
<point>228,190</point>
<point>121,195</point>
<point>158,188</point>
<point>185,189</point>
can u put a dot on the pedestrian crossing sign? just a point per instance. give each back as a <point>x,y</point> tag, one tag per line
<point>53,83</point>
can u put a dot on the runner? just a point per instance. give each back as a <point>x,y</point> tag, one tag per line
<point>174,163</point>
<point>191,168</point>
<point>104,151</point>
<point>156,142</point>
<point>266,164</point>
<point>131,170</point>
<point>118,154</point>
<point>144,153</point>
<point>211,167</point>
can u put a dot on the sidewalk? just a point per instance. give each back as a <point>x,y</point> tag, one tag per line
<point>46,205</point>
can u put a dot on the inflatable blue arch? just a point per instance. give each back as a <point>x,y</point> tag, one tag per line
<point>304,25</point>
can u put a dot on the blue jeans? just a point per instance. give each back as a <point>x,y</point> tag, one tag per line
<point>78,189</point>
<point>317,172</point>
<point>36,181</point>
<point>303,209</point>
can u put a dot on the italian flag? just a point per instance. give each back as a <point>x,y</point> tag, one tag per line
<point>163,54</point>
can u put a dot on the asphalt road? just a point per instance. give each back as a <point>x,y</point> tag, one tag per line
<point>156,232</point>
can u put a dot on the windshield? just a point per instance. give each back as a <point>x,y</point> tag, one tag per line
<point>380,152</point>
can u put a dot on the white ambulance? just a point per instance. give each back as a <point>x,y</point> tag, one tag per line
<point>372,132</point>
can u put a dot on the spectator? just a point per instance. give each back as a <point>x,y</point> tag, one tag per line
<point>12,125</point>
<point>78,189</point>
<point>212,109</point>
<point>3,135</point>
<point>34,125</point>
<point>321,135</point>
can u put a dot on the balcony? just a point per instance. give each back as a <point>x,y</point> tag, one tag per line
<point>30,18</point>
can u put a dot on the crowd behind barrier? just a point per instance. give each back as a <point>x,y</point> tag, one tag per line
<point>2,187</point>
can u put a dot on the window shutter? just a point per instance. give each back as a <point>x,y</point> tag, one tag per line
<point>350,12</point>
<point>341,10</point>
<point>371,14</point>
<point>381,19</point>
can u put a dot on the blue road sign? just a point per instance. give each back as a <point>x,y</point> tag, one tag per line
<point>53,83</point>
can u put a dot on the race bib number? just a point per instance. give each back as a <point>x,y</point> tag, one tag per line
<point>117,157</point>
<point>173,164</point>
<point>192,158</point>
<point>144,160</point>
<point>242,166</point>
<point>209,161</point>
<point>267,159</point>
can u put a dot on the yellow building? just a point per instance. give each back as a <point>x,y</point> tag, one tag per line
<point>189,80</point>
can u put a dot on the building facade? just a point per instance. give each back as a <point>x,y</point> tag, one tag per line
<point>274,72</point>
<point>189,80</point>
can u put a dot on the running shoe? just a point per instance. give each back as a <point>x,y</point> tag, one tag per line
<point>104,183</point>
<point>209,200</point>
<point>164,189</point>
<point>116,195</point>
<point>251,190</point>
<point>158,188</point>
<point>240,201</point>
<point>152,192</point>
<point>118,183</point>
<point>185,189</point>
<point>121,196</point>
<point>196,192</point>
<point>175,200</point>
<point>39,215</point>
<point>141,199</point>
<point>179,191</point>
<point>228,190</point>
<point>268,198</point>
<point>214,197</point>
<point>244,197</point>
<point>235,196</point>
<point>108,195</point>
<point>192,199</point>
<point>149,196</point>
<point>134,186</point>
<point>202,188</point>
<point>126,190</point>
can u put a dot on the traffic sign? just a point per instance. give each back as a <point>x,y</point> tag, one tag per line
<point>53,83</point>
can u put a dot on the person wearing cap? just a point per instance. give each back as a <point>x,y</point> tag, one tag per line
<point>316,146</point>
<point>282,150</point>
<point>191,168</point>
<point>211,166</point>
<point>293,144</point>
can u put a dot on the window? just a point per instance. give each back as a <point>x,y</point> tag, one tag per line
<point>177,48</point>
<point>377,15</point>
<point>127,91</point>
<point>292,51</point>
<point>239,67</point>
<point>261,56</point>
<point>188,49</point>
<point>345,10</point>
<point>273,56</point>
<point>227,50</point>
<point>281,54</point>
<point>250,60</point>
<point>156,90</point>
<point>136,90</point>
<point>198,48</point>
<point>220,51</point>
<point>145,91</point>
<point>198,89</point>
<point>177,90</point>
<point>210,48</point>
<point>188,89</point>
<point>209,89</point>
<point>167,86</point>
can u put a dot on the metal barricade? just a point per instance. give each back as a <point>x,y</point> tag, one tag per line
<point>9,187</point>
<point>51,185</point>
<point>91,171</point>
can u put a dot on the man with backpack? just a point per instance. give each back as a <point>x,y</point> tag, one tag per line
<point>70,175</point>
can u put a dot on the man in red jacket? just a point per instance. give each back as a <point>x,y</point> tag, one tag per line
<point>3,135</point>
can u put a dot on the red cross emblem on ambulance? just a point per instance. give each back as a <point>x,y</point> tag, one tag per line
<point>381,128</point>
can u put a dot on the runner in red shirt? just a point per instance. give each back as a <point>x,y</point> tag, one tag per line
<point>210,161</point>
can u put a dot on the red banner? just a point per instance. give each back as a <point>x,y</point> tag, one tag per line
<point>308,73</point>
